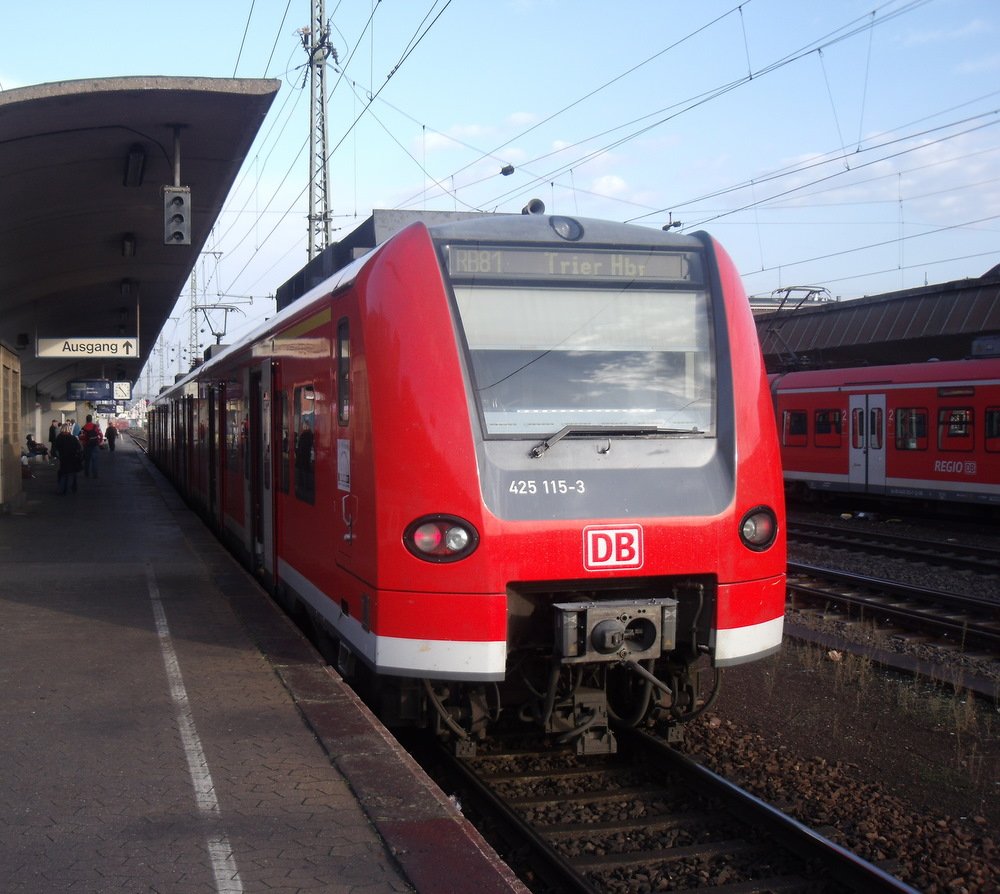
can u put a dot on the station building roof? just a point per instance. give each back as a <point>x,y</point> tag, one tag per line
<point>948,321</point>
<point>82,167</point>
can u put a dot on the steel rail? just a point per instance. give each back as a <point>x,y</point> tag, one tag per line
<point>950,613</point>
<point>844,865</point>
<point>815,856</point>
<point>975,558</point>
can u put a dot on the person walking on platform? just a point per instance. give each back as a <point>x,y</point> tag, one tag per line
<point>70,453</point>
<point>111,435</point>
<point>91,436</point>
<point>74,428</point>
<point>53,434</point>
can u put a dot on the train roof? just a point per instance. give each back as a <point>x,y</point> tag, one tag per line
<point>899,374</point>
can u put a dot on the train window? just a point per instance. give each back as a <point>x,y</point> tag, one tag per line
<point>611,354</point>
<point>794,424</point>
<point>284,458</point>
<point>993,429</point>
<point>955,428</point>
<point>911,429</point>
<point>827,428</point>
<point>305,447</point>
<point>234,432</point>
<point>875,430</point>
<point>343,372</point>
<point>857,428</point>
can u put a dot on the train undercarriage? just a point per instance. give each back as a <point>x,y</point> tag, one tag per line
<point>604,661</point>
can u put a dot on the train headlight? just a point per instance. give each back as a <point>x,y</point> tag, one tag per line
<point>758,528</point>
<point>440,538</point>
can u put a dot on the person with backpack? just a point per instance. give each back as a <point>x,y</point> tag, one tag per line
<point>91,437</point>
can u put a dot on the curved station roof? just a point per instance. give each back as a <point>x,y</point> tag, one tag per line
<point>83,253</point>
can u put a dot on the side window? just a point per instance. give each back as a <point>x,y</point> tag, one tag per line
<point>993,429</point>
<point>343,372</point>
<point>827,428</point>
<point>955,428</point>
<point>911,429</point>
<point>793,428</point>
<point>305,448</point>
<point>234,432</point>
<point>284,455</point>
<point>875,431</point>
<point>857,428</point>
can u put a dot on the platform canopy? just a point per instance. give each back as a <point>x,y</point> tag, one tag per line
<point>946,321</point>
<point>82,254</point>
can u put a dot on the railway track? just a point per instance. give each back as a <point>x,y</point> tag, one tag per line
<point>960,556</point>
<point>964,621</point>
<point>648,819</point>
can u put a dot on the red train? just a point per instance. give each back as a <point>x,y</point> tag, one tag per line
<point>929,431</point>
<point>511,463</point>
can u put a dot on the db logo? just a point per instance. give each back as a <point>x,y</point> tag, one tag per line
<point>616,546</point>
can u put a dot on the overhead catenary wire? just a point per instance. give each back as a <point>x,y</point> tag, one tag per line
<point>838,35</point>
<point>246,29</point>
<point>793,189</point>
<point>846,31</point>
<point>549,176</point>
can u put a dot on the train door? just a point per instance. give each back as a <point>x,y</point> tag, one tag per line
<point>178,411</point>
<point>867,448</point>
<point>261,493</point>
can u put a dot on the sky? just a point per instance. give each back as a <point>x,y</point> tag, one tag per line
<point>853,146</point>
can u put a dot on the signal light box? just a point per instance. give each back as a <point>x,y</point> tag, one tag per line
<point>176,215</point>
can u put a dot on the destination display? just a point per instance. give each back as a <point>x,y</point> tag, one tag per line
<point>518,262</point>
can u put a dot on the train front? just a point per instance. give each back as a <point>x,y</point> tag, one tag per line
<point>627,475</point>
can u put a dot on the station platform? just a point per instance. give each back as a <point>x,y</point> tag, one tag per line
<point>166,729</point>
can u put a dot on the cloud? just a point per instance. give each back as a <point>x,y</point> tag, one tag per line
<point>458,135</point>
<point>609,185</point>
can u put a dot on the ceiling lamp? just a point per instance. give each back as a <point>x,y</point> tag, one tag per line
<point>135,164</point>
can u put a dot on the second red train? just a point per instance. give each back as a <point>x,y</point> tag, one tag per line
<point>921,431</point>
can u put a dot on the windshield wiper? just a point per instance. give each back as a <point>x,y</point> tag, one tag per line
<point>539,449</point>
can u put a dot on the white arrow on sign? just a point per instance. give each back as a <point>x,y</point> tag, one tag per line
<point>81,348</point>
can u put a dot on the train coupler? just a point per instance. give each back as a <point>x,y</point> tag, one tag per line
<point>615,630</point>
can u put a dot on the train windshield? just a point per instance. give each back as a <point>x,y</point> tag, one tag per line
<point>587,352</point>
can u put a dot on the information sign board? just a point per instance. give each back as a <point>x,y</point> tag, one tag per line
<point>88,389</point>
<point>78,348</point>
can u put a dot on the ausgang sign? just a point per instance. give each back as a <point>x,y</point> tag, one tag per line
<point>87,347</point>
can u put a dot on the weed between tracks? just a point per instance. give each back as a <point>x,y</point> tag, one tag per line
<point>853,691</point>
